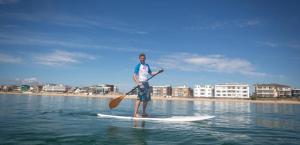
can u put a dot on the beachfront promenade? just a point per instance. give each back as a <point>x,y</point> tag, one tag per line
<point>265,100</point>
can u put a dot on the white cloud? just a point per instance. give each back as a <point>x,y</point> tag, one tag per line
<point>41,40</point>
<point>267,43</point>
<point>211,63</point>
<point>219,24</point>
<point>8,1</point>
<point>30,80</point>
<point>77,21</point>
<point>248,23</point>
<point>61,58</point>
<point>5,58</point>
<point>294,45</point>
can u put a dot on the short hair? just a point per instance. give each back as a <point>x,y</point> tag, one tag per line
<point>142,54</point>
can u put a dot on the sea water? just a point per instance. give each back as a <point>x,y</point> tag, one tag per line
<point>73,120</point>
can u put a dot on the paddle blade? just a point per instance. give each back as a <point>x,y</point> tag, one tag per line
<point>115,102</point>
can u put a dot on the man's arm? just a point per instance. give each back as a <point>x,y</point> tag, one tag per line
<point>135,74</point>
<point>150,71</point>
<point>135,78</point>
<point>153,73</point>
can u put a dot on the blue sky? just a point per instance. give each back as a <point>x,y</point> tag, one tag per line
<point>91,42</point>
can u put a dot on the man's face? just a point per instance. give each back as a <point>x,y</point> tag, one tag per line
<point>142,59</point>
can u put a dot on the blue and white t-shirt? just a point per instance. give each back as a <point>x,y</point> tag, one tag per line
<point>142,71</point>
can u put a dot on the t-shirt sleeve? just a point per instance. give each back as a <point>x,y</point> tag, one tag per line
<point>136,69</point>
<point>149,70</point>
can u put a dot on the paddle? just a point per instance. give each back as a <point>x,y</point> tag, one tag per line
<point>115,102</point>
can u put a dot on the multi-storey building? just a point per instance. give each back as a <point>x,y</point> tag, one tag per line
<point>54,88</point>
<point>272,90</point>
<point>296,92</point>
<point>203,91</point>
<point>102,89</point>
<point>182,91</point>
<point>25,88</point>
<point>37,88</point>
<point>231,90</point>
<point>161,91</point>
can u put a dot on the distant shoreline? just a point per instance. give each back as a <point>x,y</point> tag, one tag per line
<point>275,101</point>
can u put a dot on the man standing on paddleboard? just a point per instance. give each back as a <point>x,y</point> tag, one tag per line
<point>140,76</point>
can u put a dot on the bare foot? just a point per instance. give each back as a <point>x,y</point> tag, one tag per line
<point>136,115</point>
<point>145,115</point>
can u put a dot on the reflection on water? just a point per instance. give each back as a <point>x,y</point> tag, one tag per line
<point>242,113</point>
<point>139,123</point>
<point>276,115</point>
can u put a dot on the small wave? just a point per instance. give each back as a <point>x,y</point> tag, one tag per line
<point>81,113</point>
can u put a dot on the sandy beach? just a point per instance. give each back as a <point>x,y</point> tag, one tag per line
<point>276,101</point>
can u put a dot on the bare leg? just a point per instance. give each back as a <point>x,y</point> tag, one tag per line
<point>144,108</point>
<point>136,108</point>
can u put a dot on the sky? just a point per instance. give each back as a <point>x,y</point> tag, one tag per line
<point>82,43</point>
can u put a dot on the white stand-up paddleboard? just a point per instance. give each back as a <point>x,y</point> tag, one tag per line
<point>166,119</point>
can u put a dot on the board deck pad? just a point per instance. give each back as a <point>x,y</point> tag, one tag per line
<point>166,119</point>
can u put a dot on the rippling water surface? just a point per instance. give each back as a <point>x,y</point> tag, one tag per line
<point>73,120</point>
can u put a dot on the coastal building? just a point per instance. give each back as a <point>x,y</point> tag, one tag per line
<point>203,91</point>
<point>102,89</point>
<point>6,88</point>
<point>231,90</point>
<point>161,91</point>
<point>182,91</point>
<point>25,88</point>
<point>296,93</point>
<point>10,88</point>
<point>37,88</point>
<point>54,88</point>
<point>116,89</point>
<point>16,88</point>
<point>83,90</point>
<point>272,90</point>
<point>76,90</point>
<point>71,90</point>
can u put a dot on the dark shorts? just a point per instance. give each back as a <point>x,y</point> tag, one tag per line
<point>143,92</point>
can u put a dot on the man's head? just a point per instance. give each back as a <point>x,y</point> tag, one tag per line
<point>142,58</point>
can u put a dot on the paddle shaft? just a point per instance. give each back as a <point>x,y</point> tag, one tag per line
<point>138,85</point>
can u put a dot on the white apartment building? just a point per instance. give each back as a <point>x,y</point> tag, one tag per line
<point>203,91</point>
<point>54,88</point>
<point>231,90</point>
